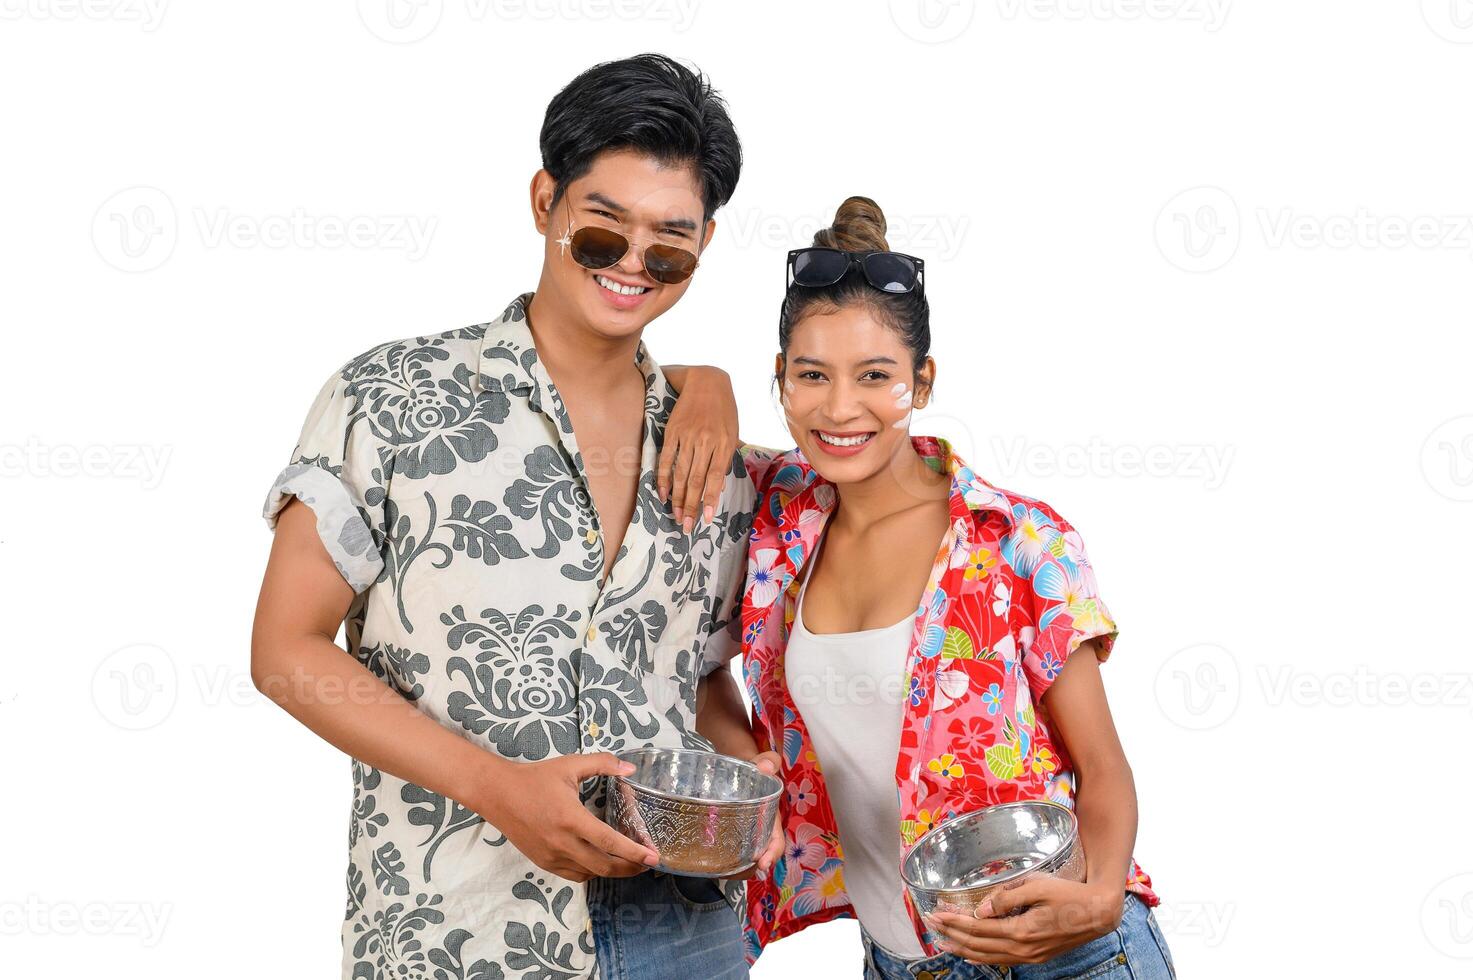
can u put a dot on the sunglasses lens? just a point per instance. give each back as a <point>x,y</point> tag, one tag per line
<point>819,266</point>
<point>598,248</point>
<point>668,264</point>
<point>890,272</point>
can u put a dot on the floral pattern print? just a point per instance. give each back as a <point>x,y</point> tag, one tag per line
<point>449,489</point>
<point>1010,596</point>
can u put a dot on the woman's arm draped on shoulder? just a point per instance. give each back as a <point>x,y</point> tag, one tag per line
<point>700,442</point>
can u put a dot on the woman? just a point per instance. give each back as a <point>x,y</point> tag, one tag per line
<point>919,644</point>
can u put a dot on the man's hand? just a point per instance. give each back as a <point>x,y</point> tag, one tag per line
<point>536,806</point>
<point>1060,915</point>
<point>770,763</point>
<point>700,438</point>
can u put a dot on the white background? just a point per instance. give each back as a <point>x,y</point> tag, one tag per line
<point>1200,275</point>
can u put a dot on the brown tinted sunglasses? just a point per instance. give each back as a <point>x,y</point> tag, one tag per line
<point>603,248</point>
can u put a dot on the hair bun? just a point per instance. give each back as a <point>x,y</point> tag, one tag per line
<point>859,226</point>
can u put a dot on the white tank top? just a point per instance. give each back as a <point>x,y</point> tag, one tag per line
<point>850,690</point>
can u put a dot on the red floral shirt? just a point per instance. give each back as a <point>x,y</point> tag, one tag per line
<point>1011,595</point>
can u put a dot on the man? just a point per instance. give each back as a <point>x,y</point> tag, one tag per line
<point>481,507</point>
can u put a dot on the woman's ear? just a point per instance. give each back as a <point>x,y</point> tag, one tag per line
<point>925,383</point>
<point>777,366</point>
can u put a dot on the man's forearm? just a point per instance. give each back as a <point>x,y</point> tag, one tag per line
<point>341,700</point>
<point>721,715</point>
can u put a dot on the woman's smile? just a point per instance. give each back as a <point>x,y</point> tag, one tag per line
<point>842,443</point>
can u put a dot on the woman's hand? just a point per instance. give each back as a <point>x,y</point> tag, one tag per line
<point>1059,915</point>
<point>770,763</point>
<point>700,439</point>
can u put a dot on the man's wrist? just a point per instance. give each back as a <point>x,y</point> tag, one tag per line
<point>477,774</point>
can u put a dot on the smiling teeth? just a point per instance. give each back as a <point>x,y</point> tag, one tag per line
<point>849,441</point>
<point>620,288</point>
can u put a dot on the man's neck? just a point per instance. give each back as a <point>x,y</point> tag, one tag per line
<point>571,352</point>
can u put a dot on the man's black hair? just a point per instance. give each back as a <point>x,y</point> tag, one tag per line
<point>648,103</point>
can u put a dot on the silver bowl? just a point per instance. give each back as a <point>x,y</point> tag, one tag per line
<point>708,815</point>
<point>962,863</point>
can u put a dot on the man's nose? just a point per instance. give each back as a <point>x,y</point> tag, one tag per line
<point>632,264</point>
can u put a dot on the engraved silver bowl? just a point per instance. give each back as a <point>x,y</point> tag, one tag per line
<point>708,815</point>
<point>962,863</point>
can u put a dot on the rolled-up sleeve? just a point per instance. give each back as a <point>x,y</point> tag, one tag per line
<point>338,470</point>
<point>1064,603</point>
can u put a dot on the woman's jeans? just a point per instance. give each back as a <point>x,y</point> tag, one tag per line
<point>655,926</point>
<point>1134,951</point>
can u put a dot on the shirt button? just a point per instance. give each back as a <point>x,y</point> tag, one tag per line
<point>591,536</point>
<point>592,632</point>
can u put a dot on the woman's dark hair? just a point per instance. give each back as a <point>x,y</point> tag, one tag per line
<point>648,103</point>
<point>859,226</point>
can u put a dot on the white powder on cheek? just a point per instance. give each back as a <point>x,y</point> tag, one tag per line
<point>788,389</point>
<point>903,396</point>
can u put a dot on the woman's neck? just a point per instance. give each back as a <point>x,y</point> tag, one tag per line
<point>906,481</point>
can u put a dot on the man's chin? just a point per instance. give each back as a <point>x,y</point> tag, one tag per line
<point>610,322</point>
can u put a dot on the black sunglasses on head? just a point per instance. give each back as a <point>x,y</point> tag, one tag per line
<point>889,272</point>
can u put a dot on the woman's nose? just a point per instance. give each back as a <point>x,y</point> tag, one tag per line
<point>843,403</point>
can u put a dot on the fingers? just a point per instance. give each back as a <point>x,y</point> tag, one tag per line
<point>1029,892</point>
<point>964,928</point>
<point>582,766</point>
<point>610,844</point>
<point>774,850</point>
<point>698,483</point>
<point>666,465</point>
<point>992,952</point>
<point>767,762</point>
<point>604,866</point>
<point>678,481</point>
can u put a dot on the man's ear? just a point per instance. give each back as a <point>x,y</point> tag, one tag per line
<point>706,238</point>
<point>542,190</point>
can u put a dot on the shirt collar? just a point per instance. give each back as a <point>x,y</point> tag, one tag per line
<point>508,360</point>
<point>971,498</point>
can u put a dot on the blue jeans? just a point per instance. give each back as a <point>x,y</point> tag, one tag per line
<point>1134,951</point>
<point>654,926</point>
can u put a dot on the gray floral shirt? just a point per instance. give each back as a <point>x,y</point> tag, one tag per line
<point>449,489</point>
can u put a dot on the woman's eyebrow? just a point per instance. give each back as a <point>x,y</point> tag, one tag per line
<point>864,363</point>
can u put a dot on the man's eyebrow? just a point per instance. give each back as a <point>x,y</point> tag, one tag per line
<point>594,197</point>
